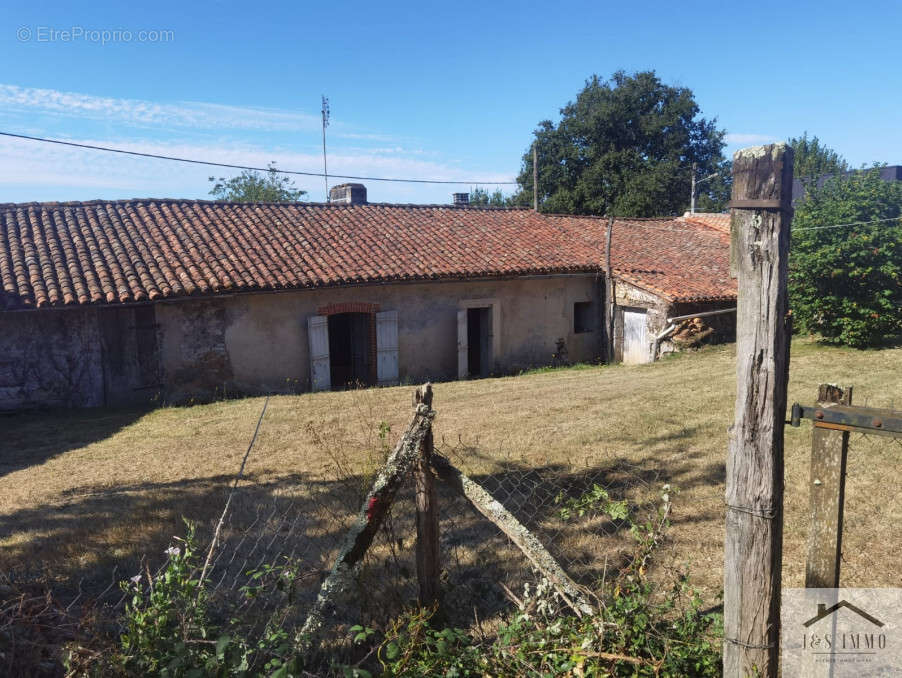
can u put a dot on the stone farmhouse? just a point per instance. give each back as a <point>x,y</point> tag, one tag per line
<point>133,301</point>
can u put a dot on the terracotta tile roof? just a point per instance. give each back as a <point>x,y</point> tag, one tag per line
<point>718,221</point>
<point>56,254</point>
<point>677,260</point>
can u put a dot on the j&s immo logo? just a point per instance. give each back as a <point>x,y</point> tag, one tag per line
<point>841,632</point>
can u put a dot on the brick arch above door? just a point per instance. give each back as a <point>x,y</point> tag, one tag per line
<point>348,307</point>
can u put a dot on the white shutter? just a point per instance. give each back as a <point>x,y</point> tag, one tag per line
<point>387,347</point>
<point>462,350</point>
<point>318,332</point>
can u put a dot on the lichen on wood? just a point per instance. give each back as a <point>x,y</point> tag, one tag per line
<point>525,540</point>
<point>369,519</point>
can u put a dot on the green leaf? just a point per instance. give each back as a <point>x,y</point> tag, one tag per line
<point>392,651</point>
<point>221,644</point>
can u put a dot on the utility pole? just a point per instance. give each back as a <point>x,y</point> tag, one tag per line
<point>535,179</point>
<point>695,184</point>
<point>325,112</point>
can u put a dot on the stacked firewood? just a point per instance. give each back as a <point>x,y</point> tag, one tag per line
<point>692,333</point>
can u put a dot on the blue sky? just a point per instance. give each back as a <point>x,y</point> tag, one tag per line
<point>428,90</point>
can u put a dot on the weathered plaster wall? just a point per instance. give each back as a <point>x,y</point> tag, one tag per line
<point>258,343</point>
<point>50,359</point>
<point>85,357</point>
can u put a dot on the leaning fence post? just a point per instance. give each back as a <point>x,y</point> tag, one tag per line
<point>369,520</point>
<point>829,451</point>
<point>762,190</point>
<point>428,569</point>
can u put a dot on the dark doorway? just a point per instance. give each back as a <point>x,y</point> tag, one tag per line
<point>478,362</point>
<point>131,362</point>
<point>350,354</point>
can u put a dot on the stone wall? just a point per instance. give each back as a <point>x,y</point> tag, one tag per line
<point>50,358</point>
<point>83,357</point>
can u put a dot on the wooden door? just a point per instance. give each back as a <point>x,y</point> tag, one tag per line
<point>463,366</point>
<point>635,337</point>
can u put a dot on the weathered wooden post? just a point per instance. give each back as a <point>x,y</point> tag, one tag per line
<point>375,506</point>
<point>761,216</point>
<point>428,568</point>
<point>609,294</point>
<point>829,452</point>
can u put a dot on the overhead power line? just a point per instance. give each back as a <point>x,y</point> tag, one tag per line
<point>192,161</point>
<point>849,225</point>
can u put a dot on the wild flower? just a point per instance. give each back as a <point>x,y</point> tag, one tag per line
<point>173,552</point>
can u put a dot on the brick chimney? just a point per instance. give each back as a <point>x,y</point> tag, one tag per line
<point>348,194</point>
<point>461,199</point>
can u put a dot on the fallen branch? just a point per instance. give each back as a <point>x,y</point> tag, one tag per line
<point>371,515</point>
<point>611,656</point>
<point>525,540</point>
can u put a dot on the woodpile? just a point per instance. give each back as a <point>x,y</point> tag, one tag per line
<point>691,333</point>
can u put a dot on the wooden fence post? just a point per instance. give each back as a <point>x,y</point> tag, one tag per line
<point>428,568</point>
<point>762,191</point>
<point>609,294</point>
<point>829,451</point>
<point>385,486</point>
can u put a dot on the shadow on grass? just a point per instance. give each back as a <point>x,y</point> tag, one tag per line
<point>77,543</point>
<point>34,437</point>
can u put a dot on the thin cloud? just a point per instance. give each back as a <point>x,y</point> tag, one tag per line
<point>188,114</point>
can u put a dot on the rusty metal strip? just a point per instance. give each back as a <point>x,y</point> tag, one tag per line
<point>834,427</point>
<point>758,204</point>
<point>848,418</point>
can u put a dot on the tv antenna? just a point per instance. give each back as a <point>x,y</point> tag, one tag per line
<point>325,112</point>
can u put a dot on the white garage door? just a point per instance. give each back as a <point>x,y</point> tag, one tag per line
<point>635,342</point>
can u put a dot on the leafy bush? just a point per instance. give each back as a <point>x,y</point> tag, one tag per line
<point>846,283</point>
<point>169,630</point>
<point>640,628</point>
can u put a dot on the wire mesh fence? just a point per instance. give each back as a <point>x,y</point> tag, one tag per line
<point>278,542</point>
<point>872,512</point>
<point>296,533</point>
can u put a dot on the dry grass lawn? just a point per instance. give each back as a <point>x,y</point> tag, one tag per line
<point>81,491</point>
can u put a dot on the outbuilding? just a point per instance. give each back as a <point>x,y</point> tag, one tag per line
<point>133,301</point>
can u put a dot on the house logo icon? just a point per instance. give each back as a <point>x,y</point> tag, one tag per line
<point>824,611</point>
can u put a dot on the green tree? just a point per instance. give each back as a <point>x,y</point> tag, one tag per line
<point>253,186</point>
<point>482,198</point>
<point>845,283</point>
<point>812,159</point>
<point>624,146</point>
